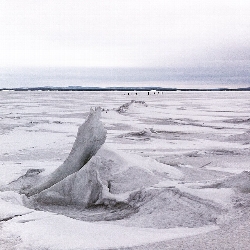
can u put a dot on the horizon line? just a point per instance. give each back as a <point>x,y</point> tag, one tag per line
<point>145,88</point>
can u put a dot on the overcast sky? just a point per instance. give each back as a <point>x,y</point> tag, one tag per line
<point>124,33</point>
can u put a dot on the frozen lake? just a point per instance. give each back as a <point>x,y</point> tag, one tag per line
<point>41,126</point>
<point>184,140</point>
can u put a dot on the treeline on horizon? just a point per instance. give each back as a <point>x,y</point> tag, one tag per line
<point>79,88</point>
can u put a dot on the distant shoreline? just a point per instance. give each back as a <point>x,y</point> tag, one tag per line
<point>153,89</point>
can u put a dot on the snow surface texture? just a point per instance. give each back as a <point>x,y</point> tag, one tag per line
<point>240,182</point>
<point>172,166</point>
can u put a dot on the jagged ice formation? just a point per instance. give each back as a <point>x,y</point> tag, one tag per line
<point>90,137</point>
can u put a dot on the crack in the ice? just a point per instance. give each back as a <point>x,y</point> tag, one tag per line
<point>12,217</point>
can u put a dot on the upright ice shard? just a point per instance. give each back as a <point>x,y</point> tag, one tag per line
<point>90,137</point>
<point>82,188</point>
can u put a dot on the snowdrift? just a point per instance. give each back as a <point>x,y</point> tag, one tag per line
<point>130,106</point>
<point>240,182</point>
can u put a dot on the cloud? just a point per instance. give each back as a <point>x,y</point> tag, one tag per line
<point>123,33</point>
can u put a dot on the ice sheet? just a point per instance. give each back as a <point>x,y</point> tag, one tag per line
<point>197,137</point>
<point>54,232</point>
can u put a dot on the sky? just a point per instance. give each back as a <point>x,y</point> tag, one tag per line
<point>124,33</point>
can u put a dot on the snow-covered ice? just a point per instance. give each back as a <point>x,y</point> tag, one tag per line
<point>44,230</point>
<point>171,167</point>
